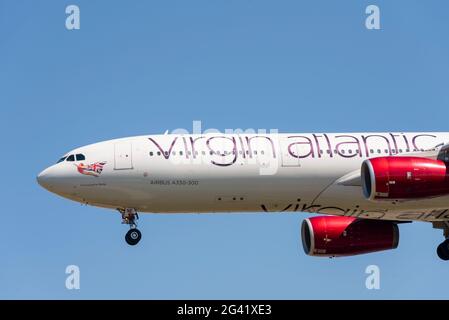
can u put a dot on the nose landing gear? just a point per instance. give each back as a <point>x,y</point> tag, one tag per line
<point>129,217</point>
<point>443,250</point>
<point>443,247</point>
<point>133,237</point>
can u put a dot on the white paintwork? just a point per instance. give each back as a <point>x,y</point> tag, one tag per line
<point>275,181</point>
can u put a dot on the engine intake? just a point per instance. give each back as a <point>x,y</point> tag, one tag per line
<point>333,236</point>
<point>401,178</point>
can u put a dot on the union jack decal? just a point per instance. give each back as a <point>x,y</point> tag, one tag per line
<point>93,169</point>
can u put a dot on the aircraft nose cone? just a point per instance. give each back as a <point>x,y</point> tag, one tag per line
<point>57,179</point>
<point>44,179</point>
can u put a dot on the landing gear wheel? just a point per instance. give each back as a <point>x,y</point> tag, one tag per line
<point>443,250</point>
<point>133,237</point>
<point>129,217</point>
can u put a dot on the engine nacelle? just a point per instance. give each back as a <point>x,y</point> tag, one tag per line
<point>401,178</point>
<point>333,236</point>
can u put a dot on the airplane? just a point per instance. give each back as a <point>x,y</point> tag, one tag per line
<point>361,185</point>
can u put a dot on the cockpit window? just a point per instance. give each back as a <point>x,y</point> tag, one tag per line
<point>62,159</point>
<point>72,157</point>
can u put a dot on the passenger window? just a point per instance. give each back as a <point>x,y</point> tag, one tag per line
<point>71,158</point>
<point>80,157</point>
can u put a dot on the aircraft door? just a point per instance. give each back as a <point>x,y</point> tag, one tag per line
<point>123,156</point>
<point>288,152</point>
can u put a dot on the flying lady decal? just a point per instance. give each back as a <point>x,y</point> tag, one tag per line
<point>94,169</point>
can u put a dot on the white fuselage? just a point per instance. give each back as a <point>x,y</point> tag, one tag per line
<point>317,173</point>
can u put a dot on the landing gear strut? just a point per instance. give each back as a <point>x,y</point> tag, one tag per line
<point>129,217</point>
<point>443,247</point>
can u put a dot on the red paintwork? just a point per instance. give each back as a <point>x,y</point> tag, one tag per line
<point>345,236</point>
<point>409,178</point>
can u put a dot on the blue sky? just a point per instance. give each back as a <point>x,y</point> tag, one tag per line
<point>143,67</point>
